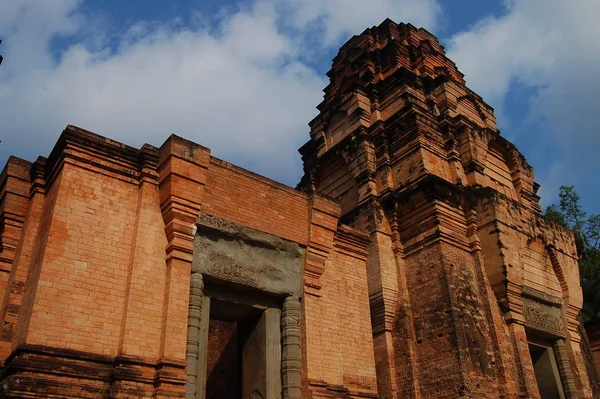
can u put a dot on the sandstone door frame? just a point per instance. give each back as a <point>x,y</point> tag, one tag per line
<point>280,330</point>
<point>235,263</point>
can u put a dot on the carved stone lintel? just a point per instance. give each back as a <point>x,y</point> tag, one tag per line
<point>232,253</point>
<point>243,233</point>
<point>542,316</point>
<point>291,367</point>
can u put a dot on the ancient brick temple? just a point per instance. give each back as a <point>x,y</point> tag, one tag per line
<point>410,262</point>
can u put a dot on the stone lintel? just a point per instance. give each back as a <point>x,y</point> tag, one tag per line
<point>205,222</point>
<point>543,317</point>
<point>231,253</point>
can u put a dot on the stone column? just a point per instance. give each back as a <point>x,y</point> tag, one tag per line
<point>564,369</point>
<point>197,339</point>
<point>291,367</point>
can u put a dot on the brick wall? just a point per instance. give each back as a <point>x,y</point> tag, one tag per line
<point>79,297</point>
<point>140,334</point>
<point>339,341</point>
<point>240,196</point>
<point>105,257</point>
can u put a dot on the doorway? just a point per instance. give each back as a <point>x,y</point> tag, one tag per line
<point>243,351</point>
<point>546,371</point>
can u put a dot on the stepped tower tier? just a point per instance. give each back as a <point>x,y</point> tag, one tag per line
<point>404,106</point>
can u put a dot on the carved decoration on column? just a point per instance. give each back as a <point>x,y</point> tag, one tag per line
<point>193,334</point>
<point>564,369</point>
<point>291,367</point>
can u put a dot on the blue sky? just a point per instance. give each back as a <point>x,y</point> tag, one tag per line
<point>243,78</point>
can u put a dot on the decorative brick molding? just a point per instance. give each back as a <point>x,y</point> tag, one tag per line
<point>323,218</point>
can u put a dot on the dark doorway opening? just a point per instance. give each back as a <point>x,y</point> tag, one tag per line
<point>546,371</point>
<point>238,350</point>
<point>223,360</point>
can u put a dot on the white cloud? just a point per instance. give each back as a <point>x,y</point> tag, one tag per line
<point>555,178</point>
<point>239,88</point>
<point>28,25</point>
<point>340,19</point>
<point>552,46</point>
<point>240,92</point>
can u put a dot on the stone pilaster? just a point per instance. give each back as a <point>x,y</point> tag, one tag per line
<point>291,367</point>
<point>193,332</point>
<point>273,354</point>
<point>564,369</point>
<point>197,339</point>
<point>523,363</point>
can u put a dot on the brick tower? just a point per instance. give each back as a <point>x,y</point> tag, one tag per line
<point>468,287</point>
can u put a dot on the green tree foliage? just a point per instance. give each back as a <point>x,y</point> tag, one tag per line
<point>554,214</point>
<point>570,207</point>
<point>587,237</point>
<point>593,231</point>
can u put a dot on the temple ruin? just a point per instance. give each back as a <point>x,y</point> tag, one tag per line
<point>411,261</point>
